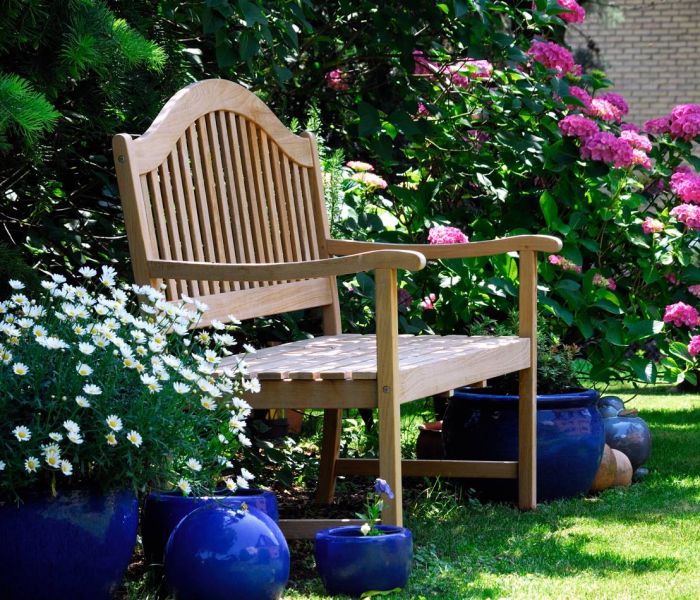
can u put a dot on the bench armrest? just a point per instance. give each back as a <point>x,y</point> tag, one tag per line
<point>356,262</point>
<point>517,243</point>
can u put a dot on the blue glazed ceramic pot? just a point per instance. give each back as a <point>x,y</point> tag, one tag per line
<point>76,545</point>
<point>351,563</point>
<point>482,425</point>
<point>220,553</point>
<point>162,511</point>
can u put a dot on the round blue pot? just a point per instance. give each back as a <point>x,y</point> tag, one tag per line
<point>77,545</point>
<point>481,424</point>
<point>220,553</point>
<point>351,563</point>
<point>162,511</point>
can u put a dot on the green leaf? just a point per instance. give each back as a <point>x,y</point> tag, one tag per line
<point>557,309</point>
<point>644,369</point>
<point>251,13</point>
<point>461,8</point>
<point>644,328</point>
<point>369,119</point>
<point>549,208</point>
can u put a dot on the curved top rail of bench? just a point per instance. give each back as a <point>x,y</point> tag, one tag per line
<point>199,99</point>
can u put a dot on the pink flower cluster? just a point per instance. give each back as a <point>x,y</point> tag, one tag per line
<point>617,101</point>
<point>651,225</point>
<point>443,234</point>
<point>694,346</point>
<point>688,214</point>
<point>580,94</point>
<point>630,127</point>
<point>695,290</point>
<point>460,73</point>
<point>605,110</point>
<point>358,165</point>
<point>578,126</point>
<point>553,56</point>
<point>604,146</point>
<point>606,282</point>
<point>564,263</point>
<point>686,184</point>
<point>681,314</point>
<point>577,14</point>
<point>337,80</point>
<point>428,303</point>
<point>370,180</point>
<point>404,299</point>
<point>641,142</point>
<point>683,122</point>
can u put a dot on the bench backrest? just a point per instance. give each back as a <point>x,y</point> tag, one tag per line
<point>218,178</point>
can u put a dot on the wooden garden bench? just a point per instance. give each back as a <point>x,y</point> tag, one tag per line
<point>224,203</point>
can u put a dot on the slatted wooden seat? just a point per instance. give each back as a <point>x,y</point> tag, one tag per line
<point>224,203</point>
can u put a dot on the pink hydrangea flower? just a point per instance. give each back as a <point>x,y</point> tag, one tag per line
<point>428,303</point>
<point>695,290</point>
<point>604,146</point>
<point>651,225</point>
<point>443,234</point>
<point>553,56</point>
<point>630,127</point>
<point>672,278</point>
<point>404,299</point>
<point>422,65</point>
<point>358,165</point>
<point>464,71</point>
<point>578,126</point>
<point>694,346</point>
<point>617,101</point>
<point>577,14</point>
<point>605,110</point>
<point>564,263</point>
<point>580,94</point>
<point>337,80</point>
<point>605,282</point>
<point>681,314</point>
<point>685,121</point>
<point>423,110</point>
<point>688,214</point>
<point>370,180</point>
<point>686,184</point>
<point>658,126</point>
<point>636,140</point>
<point>640,158</point>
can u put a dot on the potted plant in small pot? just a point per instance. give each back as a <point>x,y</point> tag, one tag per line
<point>102,396</point>
<point>482,424</point>
<point>357,560</point>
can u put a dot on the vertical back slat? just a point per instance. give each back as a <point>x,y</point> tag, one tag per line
<point>184,224</point>
<point>161,227</point>
<point>294,229</point>
<point>275,233</point>
<point>281,204</point>
<point>263,210</point>
<point>310,213</point>
<point>166,190</point>
<point>298,206</point>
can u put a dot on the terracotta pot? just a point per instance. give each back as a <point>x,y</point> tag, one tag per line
<point>607,471</point>
<point>429,443</point>
<point>623,478</point>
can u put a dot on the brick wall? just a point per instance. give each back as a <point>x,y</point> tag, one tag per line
<point>653,56</point>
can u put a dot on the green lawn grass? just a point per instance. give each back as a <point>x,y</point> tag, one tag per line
<point>640,542</point>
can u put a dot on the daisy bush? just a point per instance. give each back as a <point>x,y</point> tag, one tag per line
<point>112,387</point>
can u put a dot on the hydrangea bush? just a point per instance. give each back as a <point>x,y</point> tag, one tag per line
<point>101,390</point>
<point>500,132</point>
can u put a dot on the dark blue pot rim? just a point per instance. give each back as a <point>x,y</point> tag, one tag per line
<point>575,397</point>
<point>176,495</point>
<point>352,532</point>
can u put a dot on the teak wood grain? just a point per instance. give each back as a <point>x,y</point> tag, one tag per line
<point>223,203</point>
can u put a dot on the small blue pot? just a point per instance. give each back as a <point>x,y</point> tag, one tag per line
<point>481,424</point>
<point>220,553</point>
<point>351,563</point>
<point>162,511</point>
<point>75,546</point>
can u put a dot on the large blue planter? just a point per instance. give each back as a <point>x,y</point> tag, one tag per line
<point>162,511</point>
<point>76,546</point>
<point>482,425</point>
<point>351,563</point>
<point>220,553</point>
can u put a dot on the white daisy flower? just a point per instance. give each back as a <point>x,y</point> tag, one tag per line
<point>208,403</point>
<point>111,439</point>
<point>66,468</point>
<point>2,465</point>
<point>233,320</point>
<point>135,438</point>
<point>200,306</point>
<point>75,437</point>
<point>222,439</point>
<point>184,486</point>
<point>53,460</point>
<point>15,284</point>
<point>78,330</point>
<point>181,388</point>
<point>51,450</point>
<point>114,422</point>
<point>247,474</point>
<point>59,279</point>
<point>87,272</point>
<point>82,402</point>
<point>151,383</point>
<point>20,369</point>
<point>249,349</point>
<point>91,389</point>
<point>25,323</point>
<point>83,369</point>
<point>22,433</point>
<point>244,440</point>
<point>86,348</point>
<point>19,299</point>
<point>55,436</point>
<point>218,325</point>
<point>235,424</point>
<point>365,529</point>
<point>241,482</point>
<point>5,356</point>
<point>230,484</point>
<point>108,277</point>
<point>211,357</point>
<point>31,464</point>
<point>194,464</point>
<point>71,426</point>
